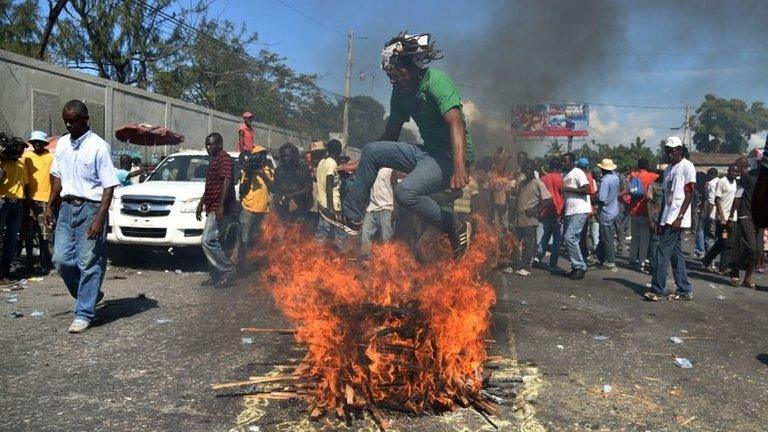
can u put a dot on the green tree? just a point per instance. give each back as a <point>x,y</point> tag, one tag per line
<point>366,120</point>
<point>555,149</point>
<point>726,125</point>
<point>19,27</point>
<point>121,40</point>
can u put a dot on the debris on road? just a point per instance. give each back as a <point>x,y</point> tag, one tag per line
<point>720,297</point>
<point>246,340</point>
<point>163,320</point>
<point>600,338</point>
<point>14,315</point>
<point>607,388</point>
<point>178,271</point>
<point>36,279</point>
<point>675,340</point>
<point>523,302</point>
<point>37,313</point>
<point>560,347</point>
<point>683,363</point>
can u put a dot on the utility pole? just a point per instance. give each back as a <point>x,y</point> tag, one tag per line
<point>347,88</point>
<point>685,126</point>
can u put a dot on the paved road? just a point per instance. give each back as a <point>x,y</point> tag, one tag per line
<point>136,371</point>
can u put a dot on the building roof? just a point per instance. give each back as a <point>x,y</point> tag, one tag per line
<point>714,159</point>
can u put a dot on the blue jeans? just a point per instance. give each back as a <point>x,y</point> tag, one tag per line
<point>574,225</point>
<point>551,227</point>
<point>219,263</point>
<point>704,237</point>
<point>427,173</point>
<point>373,222</point>
<point>81,262</point>
<point>606,248</point>
<point>11,215</point>
<point>641,236</point>
<point>669,251</point>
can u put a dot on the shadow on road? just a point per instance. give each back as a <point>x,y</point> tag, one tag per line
<point>113,310</point>
<point>639,289</point>
<point>763,358</point>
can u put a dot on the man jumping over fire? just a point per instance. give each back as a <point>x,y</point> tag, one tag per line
<point>430,97</point>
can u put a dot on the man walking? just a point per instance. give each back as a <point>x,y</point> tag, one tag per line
<point>725,220</point>
<point>83,182</point>
<point>532,197</point>
<point>38,164</point>
<point>431,98</point>
<point>13,190</point>
<point>678,187</point>
<point>639,182</point>
<point>705,230</point>
<point>576,191</point>
<point>245,134</point>
<point>608,200</point>
<point>550,216</point>
<point>256,177</point>
<point>217,201</point>
<point>749,239</point>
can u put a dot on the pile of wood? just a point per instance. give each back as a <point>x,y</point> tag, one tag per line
<point>390,361</point>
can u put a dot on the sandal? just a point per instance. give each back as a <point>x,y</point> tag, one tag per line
<point>750,285</point>
<point>735,282</point>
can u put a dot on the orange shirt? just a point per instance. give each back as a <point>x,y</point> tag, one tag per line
<point>247,145</point>
<point>638,207</point>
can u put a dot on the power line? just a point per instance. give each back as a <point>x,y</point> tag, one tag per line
<point>314,20</point>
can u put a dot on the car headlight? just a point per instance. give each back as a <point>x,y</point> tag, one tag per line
<point>190,205</point>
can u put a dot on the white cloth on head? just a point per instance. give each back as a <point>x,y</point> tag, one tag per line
<point>576,203</point>
<point>382,197</point>
<point>675,178</point>
<point>84,166</point>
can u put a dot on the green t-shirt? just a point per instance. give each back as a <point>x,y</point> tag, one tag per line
<point>437,94</point>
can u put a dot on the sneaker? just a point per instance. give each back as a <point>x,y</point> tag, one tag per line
<point>523,272</point>
<point>340,221</point>
<point>225,281</point>
<point>652,296</point>
<point>578,274</point>
<point>609,267</point>
<point>79,325</point>
<point>508,270</point>
<point>681,296</point>
<point>460,240</point>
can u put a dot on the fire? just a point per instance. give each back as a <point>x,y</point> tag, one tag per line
<point>394,334</point>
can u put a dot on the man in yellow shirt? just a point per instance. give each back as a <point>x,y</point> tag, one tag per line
<point>12,192</point>
<point>329,193</point>
<point>256,177</point>
<point>38,165</point>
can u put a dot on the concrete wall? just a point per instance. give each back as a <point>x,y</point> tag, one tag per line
<point>33,92</point>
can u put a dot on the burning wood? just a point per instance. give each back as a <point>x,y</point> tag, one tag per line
<point>395,334</point>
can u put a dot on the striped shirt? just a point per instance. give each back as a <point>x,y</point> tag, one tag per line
<point>219,170</point>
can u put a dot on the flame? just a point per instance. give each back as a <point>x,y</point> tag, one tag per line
<point>395,333</point>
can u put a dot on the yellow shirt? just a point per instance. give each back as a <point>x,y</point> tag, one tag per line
<point>325,168</point>
<point>257,198</point>
<point>39,170</point>
<point>15,179</point>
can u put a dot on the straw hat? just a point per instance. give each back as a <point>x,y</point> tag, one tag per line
<point>607,164</point>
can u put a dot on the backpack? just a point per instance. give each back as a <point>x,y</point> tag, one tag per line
<point>636,188</point>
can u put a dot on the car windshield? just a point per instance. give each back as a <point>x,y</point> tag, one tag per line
<point>186,168</point>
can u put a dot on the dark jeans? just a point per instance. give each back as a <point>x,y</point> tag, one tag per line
<point>527,236</point>
<point>427,173</point>
<point>219,263</point>
<point>669,251</point>
<point>606,249</point>
<point>81,262</point>
<point>554,229</point>
<point>11,215</point>
<point>722,246</point>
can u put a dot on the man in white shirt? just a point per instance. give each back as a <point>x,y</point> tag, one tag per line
<point>378,216</point>
<point>705,232</point>
<point>724,216</point>
<point>83,181</point>
<point>678,187</point>
<point>576,212</point>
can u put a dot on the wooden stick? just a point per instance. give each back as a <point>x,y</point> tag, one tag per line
<point>696,338</point>
<point>256,380</point>
<point>267,330</point>
<point>688,421</point>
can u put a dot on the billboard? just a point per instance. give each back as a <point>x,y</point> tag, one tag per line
<point>552,120</point>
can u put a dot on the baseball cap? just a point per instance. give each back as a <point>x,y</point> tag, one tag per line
<point>582,162</point>
<point>247,114</point>
<point>673,141</point>
<point>38,136</point>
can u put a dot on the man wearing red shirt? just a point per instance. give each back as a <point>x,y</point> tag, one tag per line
<point>638,213</point>
<point>550,215</point>
<point>245,134</point>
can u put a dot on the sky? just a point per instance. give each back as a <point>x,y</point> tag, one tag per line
<point>653,57</point>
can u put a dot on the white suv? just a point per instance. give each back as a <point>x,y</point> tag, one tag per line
<point>161,210</point>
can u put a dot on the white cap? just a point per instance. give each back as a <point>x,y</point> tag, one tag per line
<point>673,141</point>
<point>38,136</point>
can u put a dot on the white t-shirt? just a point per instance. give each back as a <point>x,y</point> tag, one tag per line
<point>675,178</point>
<point>381,192</point>
<point>726,191</point>
<point>711,187</point>
<point>576,203</point>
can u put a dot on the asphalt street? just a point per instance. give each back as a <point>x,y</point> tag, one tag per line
<point>590,355</point>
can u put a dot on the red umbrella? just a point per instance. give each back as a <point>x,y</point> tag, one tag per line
<point>148,135</point>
